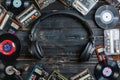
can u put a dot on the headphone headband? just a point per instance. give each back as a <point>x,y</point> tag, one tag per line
<point>73,14</point>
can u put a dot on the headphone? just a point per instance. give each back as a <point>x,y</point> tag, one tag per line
<point>36,49</point>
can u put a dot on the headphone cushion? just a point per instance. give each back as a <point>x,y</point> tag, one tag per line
<point>32,49</point>
<point>35,50</point>
<point>39,49</point>
<point>87,51</point>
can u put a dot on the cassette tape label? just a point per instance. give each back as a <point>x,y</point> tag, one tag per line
<point>28,16</point>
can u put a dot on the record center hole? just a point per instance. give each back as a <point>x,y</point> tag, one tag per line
<point>16,2</point>
<point>11,70</point>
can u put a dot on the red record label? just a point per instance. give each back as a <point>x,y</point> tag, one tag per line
<point>7,47</point>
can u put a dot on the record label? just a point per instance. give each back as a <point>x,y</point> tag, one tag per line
<point>17,3</point>
<point>106,17</point>
<point>107,71</point>
<point>9,47</point>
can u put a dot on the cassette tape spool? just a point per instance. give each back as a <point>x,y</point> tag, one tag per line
<point>106,17</point>
<point>28,15</point>
<point>109,71</point>
<point>16,6</point>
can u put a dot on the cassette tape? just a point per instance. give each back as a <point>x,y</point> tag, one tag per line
<point>6,20</point>
<point>44,3</point>
<point>84,6</point>
<point>28,15</point>
<point>2,13</point>
<point>8,24</point>
<point>114,3</point>
<point>56,76</point>
<point>112,41</point>
<point>85,75</point>
<point>38,73</point>
<point>15,26</point>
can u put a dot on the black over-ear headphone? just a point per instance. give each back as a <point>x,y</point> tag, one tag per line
<point>36,49</point>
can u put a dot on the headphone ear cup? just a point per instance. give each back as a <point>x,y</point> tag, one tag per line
<point>39,49</point>
<point>32,49</point>
<point>35,50</point>
<point>87,52</point>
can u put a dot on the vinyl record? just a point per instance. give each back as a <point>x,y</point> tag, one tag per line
<point>9,47</point>
<point>16,6</point>
<point>109,71</point>
<point>106,17</point>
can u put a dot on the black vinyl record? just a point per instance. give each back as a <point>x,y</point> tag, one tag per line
<point>106,17</point>
<point>9,47</point>
<point>109,71</point>
<point>16,6</point>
